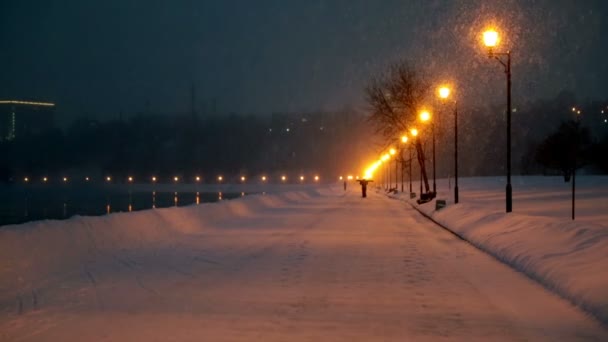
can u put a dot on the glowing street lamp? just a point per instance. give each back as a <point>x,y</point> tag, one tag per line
<point>153,179</point>
<point>414,132</point>
<point>404,139</point>
<point>130,179</point>
<point>198,178</point>
<point>283,178</point>
<point>444,93</point>
<point>65,179</point>
<point>45,179</point>
<point>243,178</point>
<point>316,178</point>
<point>491,39</point>
<point>87,179</point>
<point>263,178</point>
<point>392,151</point>
<point>108,178</point>
<point>301,178</point>
<point>425,116</point>
<point>175,179</point>
<point>26,179</point>
<point>220,178</point>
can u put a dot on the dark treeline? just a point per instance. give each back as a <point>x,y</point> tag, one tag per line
<point>482,137</point>
<point>327,144</point>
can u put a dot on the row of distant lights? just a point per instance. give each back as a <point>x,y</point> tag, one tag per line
<point>578,112</point>
<point>154,179</point>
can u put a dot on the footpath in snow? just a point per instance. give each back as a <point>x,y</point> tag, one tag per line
<point>539,237</point>
<point>315,264</point>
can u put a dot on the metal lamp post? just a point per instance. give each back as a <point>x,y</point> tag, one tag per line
<point>491,40</point>
<point>444,94</point>
<point>425,116</point>
<point>404,141</point>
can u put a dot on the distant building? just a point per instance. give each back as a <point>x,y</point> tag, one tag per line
<point>23,118</point>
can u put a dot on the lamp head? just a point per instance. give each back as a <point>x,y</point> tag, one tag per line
<point>490,38</point>
<point>443,92</point>
<point>425,115</point>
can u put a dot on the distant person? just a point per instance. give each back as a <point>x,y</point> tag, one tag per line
<point>364,183</point>
<point>344,185</point>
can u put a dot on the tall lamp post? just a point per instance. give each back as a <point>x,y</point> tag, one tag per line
<point>414,133</point>
<point>392,151</point>
<point>403,141</point>
<point>444,94</point>
<point>491,40</point>
<point>425,116</point>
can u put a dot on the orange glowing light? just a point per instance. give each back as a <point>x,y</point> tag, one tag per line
<point>443,92</point>
<point>490,38</point>
<point>176,178</point>
<point>220,178</point>
<point>404,139</point>
<point>350,177</point>
<point>263,178</point>
<point>242,178</point>
<point>283,178</point>
<point>316,178</point>
<point>153,178</point>
<point>130,179</point>
<point>198,178</point>
<point>392,151</point>
<point>425,115</point>
<point>414,132</point>
<point>341,178</point>
<point>301,178</point>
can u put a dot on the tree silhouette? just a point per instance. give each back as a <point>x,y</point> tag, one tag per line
<point>567,149</point>
<point>395,99</point>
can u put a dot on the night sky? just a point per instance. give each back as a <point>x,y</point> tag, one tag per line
<point>99,58</point>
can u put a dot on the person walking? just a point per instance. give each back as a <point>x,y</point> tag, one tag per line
<point>364,183</point>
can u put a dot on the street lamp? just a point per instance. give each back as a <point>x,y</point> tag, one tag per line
<point>491,40</point>
<point>444,93</point>
<point>404,141</point>
<point>425,116</point>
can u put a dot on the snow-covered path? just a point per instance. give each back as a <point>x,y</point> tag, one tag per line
<point>336,268</point>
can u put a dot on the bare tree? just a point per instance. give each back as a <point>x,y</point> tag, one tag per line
<point>395,99</point>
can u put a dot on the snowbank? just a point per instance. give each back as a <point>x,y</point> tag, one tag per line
<point>36,253</point>
<point>539,237</point>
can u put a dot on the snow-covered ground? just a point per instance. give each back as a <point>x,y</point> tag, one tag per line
<point>313,264</point>
<point>539,237</point>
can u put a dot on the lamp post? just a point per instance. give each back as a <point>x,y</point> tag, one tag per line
<point>426,116</point>
<point>385,158</point>
<point>444,94</point>
<point>491,40</point>
<point>404,141</point>
<point>414,133</point>
<point>392,152</point>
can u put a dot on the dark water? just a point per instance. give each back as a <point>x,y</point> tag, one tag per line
<point>24,204</point>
